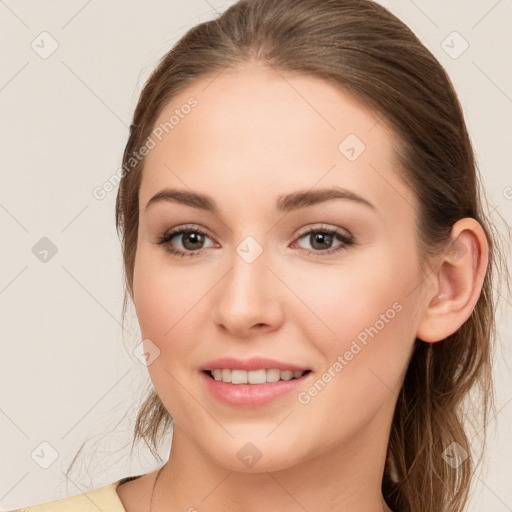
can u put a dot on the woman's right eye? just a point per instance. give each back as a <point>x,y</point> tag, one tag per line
<point>188,238</point>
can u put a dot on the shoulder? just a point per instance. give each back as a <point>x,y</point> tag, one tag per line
<point>103,498</point>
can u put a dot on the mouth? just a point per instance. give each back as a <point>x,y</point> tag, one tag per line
<point>261,376</point>
<point>241,388</point>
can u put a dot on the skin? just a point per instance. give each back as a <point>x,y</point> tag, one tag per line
<point>257,134</point>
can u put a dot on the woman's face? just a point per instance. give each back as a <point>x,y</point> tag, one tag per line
<point>260,277</point>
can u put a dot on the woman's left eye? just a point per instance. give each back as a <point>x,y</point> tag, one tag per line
<point>326,235</point>
<point>192,238</point>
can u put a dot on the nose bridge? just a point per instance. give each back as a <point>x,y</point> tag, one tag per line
<point>247,296</point>
<point>248,277</point>
<point>250,250</point>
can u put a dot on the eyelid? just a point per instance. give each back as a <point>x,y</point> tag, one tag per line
<point>185,227</point>
<point>323,227</point>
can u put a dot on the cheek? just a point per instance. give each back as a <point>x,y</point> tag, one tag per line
<point>162,295</point>
<point>364,326</point>
<point>167,306</point>
<point>173,306</point>
<point>151,301</point>
<point>364,361</point>
<point>348,300</point>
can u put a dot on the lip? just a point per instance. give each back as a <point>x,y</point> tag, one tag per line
<point>253,363</point>
<point>251,395</point>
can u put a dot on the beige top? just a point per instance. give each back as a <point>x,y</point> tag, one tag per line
<point>104,498</point>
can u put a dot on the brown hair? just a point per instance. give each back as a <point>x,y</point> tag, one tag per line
<point>362,48</point>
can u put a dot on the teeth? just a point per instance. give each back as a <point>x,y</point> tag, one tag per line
<point>254,376</point>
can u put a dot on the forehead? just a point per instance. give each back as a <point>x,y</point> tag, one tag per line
<point>257,130</point>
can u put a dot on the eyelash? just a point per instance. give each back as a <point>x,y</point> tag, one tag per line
<point>187,229</point>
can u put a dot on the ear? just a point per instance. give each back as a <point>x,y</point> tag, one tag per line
<point>456,282</point>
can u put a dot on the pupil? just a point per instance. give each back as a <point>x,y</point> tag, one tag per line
<point>323,238</point>
<point>196,236</point>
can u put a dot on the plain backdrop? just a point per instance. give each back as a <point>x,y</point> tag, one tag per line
<point>69,81</point>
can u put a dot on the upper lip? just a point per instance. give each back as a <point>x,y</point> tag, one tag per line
<point>253,363</point>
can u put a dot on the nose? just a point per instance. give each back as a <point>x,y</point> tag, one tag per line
<point>247,299</point>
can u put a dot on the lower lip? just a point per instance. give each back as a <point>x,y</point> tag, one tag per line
<point>251,395</point>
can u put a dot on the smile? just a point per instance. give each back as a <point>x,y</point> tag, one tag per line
<point>262,376</point>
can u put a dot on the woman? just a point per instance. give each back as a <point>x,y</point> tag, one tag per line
<point>306,250</point>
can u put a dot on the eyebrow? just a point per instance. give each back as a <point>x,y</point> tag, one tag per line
<point>285,203</point>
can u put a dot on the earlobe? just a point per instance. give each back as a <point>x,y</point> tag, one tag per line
<point>458,280</point>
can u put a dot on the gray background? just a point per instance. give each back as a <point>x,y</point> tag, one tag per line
<point>66,375</point>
